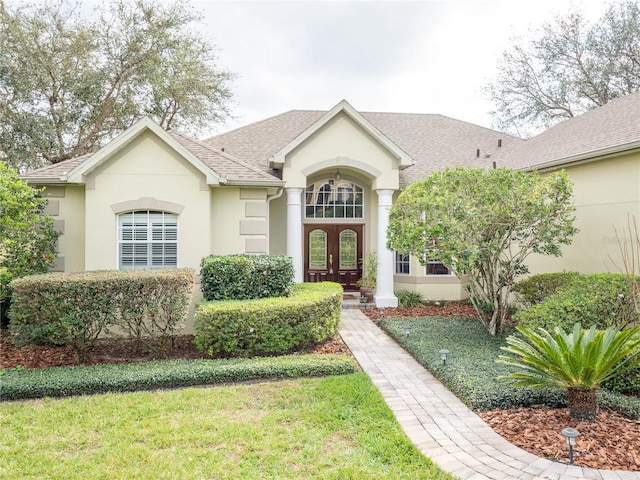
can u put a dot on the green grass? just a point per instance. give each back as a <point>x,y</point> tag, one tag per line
<point>471,370</point>
<point>326,428</point>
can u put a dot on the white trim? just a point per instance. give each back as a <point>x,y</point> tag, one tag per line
<point>149,241</point>
<point>404,160</point>
<point>395,264</point>
<point>78,174</point>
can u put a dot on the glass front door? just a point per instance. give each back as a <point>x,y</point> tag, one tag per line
<point>333,253</point>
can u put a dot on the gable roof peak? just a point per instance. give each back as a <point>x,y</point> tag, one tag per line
<point>343,106</point>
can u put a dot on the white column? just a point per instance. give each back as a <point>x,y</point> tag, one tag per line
<point>384,296</point>
<point>294,232</point>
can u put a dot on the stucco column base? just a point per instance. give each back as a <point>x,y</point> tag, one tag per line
<point>383,301</point>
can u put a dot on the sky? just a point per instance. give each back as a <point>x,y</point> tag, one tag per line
<point>390,56</point>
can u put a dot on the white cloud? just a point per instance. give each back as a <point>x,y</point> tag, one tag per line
<point>429,56</point>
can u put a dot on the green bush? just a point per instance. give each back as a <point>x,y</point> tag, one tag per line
<point>20,384</point>
<point>408,299</point>
<point>246,277</point>
<point>599,300</point>
<point>537,288</point>
<point>269,326</point>
<point>75,308</point>
<point>471,370</point>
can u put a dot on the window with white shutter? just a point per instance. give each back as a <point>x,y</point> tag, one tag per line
<point>147,239</point>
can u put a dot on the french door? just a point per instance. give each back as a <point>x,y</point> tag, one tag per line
<point>333,253</point>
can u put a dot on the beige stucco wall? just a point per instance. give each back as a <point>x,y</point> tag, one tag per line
<point>432,287</point>
<point>341,143</point>
<point>146,169</point>
<point>239,220</point>
<point>606,193</point>
<point>66,205</point>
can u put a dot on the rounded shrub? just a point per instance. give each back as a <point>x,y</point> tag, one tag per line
<point>601,300</point>
<point>269,326</point>
<point>537,288</point>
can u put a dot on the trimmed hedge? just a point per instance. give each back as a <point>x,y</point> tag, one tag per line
<point>537,288</point>
<point>75,308</point>
<point>246,277</point>
<point>599,300</point>
<point>18,384</point>
<point>270,326</point>
<point>471,371</point>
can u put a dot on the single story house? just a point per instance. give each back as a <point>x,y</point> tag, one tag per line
<point>317,185</point>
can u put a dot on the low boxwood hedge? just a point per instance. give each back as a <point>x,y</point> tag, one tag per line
<point>471,370</point>
<point>20,383</point>
<point>246,277</point>
<point>76,308</point>
<point>269,326</point>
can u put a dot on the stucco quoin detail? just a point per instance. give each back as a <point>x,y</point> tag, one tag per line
<point>147,203</point>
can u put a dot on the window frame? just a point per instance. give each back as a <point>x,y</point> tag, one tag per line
<point>436,262</point>
<point>400,260</point>
<point>169,233</point>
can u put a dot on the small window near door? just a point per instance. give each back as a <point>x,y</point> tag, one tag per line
<point>334,199</point>
<point>147,239</point>
<point>436,268</point>
<point>403,264</point>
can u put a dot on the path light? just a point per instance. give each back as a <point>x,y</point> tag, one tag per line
<point>407,330</point>
<point>381,310</point>
<point>570,434</point>
<point>443,355</point>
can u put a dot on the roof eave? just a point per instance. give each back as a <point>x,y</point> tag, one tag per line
<point>253,183</point>
<point>584,157</point>
<point>79,173</point>
<point>404,160</point>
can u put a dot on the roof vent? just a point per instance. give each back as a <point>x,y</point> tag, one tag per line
<point>222,149</point>
<point>478,153</point>
<point>499,142</point>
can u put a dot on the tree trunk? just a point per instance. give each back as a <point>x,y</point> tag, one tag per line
<point>583,403</point>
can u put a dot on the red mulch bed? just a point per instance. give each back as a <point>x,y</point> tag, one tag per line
<point>611,442</point>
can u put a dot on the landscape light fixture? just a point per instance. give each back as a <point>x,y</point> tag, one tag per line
<point>407,330</point>
<point>570,434</point>
<point>443,355</point>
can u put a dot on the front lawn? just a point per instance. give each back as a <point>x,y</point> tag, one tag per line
<point>325,428</point>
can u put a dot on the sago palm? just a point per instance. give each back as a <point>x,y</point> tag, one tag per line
<point>578,361</point>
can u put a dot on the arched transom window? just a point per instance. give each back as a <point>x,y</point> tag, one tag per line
<point>334,199</point>
<point>147,239</point>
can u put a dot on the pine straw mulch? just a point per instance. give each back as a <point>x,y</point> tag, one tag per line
<point>611,442</point>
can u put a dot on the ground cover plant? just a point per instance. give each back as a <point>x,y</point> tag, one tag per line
<point>471,369</point>
<point>326,428</point>
<point>611,442</point>
<point>21,383</point>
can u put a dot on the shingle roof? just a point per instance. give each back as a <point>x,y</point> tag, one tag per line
<point>432,141</point>
<point>55,171</point>
<point>616,124</point>
<point>224,165</point>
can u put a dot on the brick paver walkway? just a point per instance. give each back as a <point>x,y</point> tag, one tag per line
<point>439,424</point>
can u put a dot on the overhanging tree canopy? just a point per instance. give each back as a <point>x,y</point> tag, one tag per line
<point>70,82</point>
<point>483,224</point>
